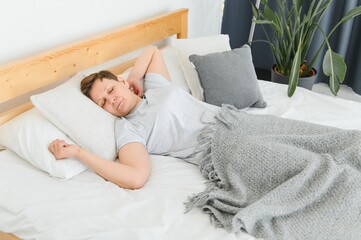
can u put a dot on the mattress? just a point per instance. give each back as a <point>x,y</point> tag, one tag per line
<point>36,206</point>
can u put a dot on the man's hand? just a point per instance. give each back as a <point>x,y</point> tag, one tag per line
<point>61,150</point>
<point>136,86</point>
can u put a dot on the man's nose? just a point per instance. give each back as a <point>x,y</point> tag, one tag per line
<point>111,98</point>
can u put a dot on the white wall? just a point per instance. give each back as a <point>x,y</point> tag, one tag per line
<point>28,27</point>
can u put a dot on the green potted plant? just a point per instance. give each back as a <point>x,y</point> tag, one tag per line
<point>290,36</point>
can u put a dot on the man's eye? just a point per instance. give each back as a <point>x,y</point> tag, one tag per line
<point>110,90</point>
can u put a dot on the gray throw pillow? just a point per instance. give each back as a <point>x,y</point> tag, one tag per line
<point>229,78</point>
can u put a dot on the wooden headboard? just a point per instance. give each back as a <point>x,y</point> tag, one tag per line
<point>26,75</point>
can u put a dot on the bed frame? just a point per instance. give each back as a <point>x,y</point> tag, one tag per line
<point>22,78</point>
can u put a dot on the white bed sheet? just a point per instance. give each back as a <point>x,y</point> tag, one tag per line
<point>309,106</point>
<point>36,206</point>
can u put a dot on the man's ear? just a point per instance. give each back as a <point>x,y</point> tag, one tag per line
<point>123,81</point>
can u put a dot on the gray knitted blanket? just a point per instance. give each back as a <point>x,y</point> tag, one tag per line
<point>280,179</point>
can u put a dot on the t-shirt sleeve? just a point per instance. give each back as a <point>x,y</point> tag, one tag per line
<point>155,80</point>
<point>126,133</point>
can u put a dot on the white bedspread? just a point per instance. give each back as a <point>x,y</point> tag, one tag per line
<point>309,106</point>
<point>36,206</point>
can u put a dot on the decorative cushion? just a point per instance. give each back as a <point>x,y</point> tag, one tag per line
<point>200,46</point>
<point>229,78</point>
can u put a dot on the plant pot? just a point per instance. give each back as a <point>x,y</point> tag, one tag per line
<point>305,82</point>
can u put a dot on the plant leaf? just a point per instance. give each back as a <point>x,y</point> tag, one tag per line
<point>255,11</point>
<point>334,67</point>
<point>294,73</point>
<point>263,22</point>
<point>298,3</point>
<point>351,14</point>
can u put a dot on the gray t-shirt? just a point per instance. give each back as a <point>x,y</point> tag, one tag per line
<point>168,121</point>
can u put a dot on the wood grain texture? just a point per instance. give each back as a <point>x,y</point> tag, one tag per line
<point>7,236</point>
<point>4,117</point>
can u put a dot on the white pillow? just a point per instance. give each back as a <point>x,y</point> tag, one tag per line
<point>176,74</point>
<point>81,119</point>
<point>199,46</point>
<point>29,135</point>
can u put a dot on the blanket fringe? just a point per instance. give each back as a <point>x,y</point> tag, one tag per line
<point>197,200</point>
<point>206,166</point>
<point>206,142</point>
<point>204,151</point>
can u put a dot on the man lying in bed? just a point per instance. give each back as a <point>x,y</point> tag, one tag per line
<point>268,175</point>
<point>166,120</point>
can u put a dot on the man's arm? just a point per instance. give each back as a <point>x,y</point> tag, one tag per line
<point>150,61</point>
<point>132,172</point>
